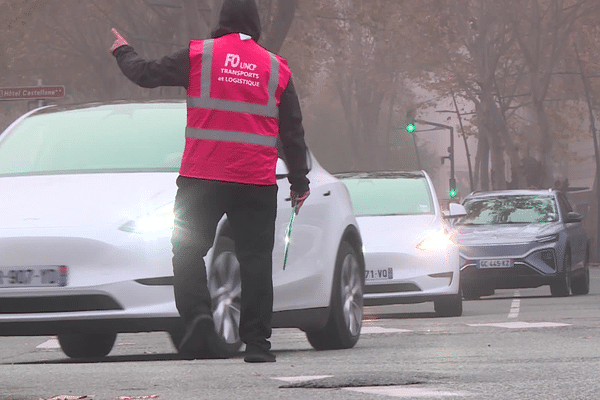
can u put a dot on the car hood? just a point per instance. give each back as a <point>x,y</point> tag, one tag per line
<point>58,201</point>
<point>391,231</point>
<point>499,234</point>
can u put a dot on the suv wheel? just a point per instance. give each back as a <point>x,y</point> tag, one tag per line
<point>562,286</point>
<point>581,283</point>
<point>449,306</point>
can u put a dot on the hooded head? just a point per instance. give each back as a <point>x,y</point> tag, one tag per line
<point>238,16</point>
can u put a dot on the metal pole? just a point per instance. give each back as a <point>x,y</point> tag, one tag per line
<point>416,150</point>
<point>451,152</point>
<point>451,148</point>
<point>593,127</point>
<point>462,129</point>
<point>40,101</point>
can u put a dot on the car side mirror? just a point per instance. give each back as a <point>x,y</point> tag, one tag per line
<point>573,217</point>
<point>455,210</point>
<point>281,170</point>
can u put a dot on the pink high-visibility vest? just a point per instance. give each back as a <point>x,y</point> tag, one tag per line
<point>233,110</point>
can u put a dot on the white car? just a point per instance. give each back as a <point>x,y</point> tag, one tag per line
<point>86,215</point>
<point>409,255</point>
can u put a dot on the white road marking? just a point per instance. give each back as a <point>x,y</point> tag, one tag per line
<point>515,306</point>
<point>404,391</point>
<point>301,378</point>
<point>523,324</point>
<point>49,344</point>
<point>367,330</point>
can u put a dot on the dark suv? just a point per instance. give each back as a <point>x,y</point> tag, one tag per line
<point>522,239</point>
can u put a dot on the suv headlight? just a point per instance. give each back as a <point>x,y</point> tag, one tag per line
<point>161,219</point>
<point>547,238</point>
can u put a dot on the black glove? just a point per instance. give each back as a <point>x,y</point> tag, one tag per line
<point>298,199</point>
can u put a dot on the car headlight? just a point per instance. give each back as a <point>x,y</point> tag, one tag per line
<point>435,240</point>
<point>547,238</point>
<point>161,219</point>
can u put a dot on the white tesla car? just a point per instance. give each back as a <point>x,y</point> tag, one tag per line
<point>409,255</point>
<point>85,224</point>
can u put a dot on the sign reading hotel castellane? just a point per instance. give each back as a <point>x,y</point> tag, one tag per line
<point>32,92</point>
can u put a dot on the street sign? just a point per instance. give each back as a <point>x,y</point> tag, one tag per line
<point>32,92</point>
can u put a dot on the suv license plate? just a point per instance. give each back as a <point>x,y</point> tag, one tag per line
<point>38,276</point>
<point>497,263</point>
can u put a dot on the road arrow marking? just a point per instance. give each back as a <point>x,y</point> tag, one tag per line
<point>368,330</point>
<point>49,344</point>
<point>301,378</point>
<point>406,392</point>
<point>523,324</point>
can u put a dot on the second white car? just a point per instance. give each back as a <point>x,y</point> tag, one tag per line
<point>409,254</point>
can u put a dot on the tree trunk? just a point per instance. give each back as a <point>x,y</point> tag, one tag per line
<point>545,144</point>
<point>196,25</point>
<point>276,30</point>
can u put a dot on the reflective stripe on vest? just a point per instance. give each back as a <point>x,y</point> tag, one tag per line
<point>204,101</point>
<point>229,136</point>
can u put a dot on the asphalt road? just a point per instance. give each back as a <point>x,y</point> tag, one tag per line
<point>517,344</point>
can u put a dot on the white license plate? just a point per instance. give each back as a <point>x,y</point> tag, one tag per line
<point>37,276</point>
<point>496,263</point>
<point>378,274</point>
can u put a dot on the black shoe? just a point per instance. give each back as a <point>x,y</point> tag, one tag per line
<point>201,340</point>
<point>259,356</point>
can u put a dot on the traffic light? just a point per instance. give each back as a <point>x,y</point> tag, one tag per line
<point>410,120</point>
<point>452,192</point>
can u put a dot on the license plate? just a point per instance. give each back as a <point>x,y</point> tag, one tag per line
<point>38,276</point>
<point>497,263</point>
<point>377,274</point>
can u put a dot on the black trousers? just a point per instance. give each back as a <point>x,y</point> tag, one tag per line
<point>251,212</point>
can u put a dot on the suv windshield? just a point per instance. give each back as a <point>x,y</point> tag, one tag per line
<point>114,138</point>
<point>521,209</point>
<point>390,196</point>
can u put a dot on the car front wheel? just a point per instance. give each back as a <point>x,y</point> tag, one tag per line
<point>346,307</point>
<point>449,306</point>
<point>581,283</point>
<point>87,345</point>
<point>562,286</point>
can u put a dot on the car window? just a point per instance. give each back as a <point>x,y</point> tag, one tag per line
<point>394,196</point>
<point>117,139</point>
<point>565,206</point>
<point>509,210</point>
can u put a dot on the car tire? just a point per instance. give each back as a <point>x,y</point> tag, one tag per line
<point>580,284</point>
<point>346,307</point>
<point>225,287</point>
<point>449,306</point>
<point>471,292</point>
<point>561,287</point>
<point>87,345</point>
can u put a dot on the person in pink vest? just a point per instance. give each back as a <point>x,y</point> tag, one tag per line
<point>241,106</point>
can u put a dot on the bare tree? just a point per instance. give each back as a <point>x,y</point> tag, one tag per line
<point>542,29</point>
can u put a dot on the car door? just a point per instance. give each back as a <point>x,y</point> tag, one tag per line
<point>575,232</point>
<point>296,286</point>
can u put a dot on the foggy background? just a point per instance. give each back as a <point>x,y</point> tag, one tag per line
<point>517,80</point>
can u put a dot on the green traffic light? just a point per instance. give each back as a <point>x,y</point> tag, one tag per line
<point>410,128</point>
<point>453,193</point>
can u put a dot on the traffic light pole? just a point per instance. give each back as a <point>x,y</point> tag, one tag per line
<point>450,155</point>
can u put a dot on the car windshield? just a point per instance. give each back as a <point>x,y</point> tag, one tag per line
<point>390,196</point>
<point>521,209</point>
<point>108,138</point>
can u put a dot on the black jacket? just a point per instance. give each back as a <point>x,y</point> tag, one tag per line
<point>237,16</point>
